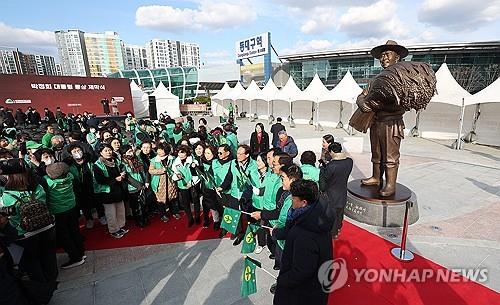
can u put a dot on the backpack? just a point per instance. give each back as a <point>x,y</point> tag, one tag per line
<point>34,214</point>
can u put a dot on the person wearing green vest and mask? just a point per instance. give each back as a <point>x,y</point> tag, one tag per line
<point>62,204</point>
<point>177,134</point>
<point>141,135</point>
<point>185,176</point>
<point>198,155</point>
<point>308,161</point>
<point>109,178</point>
<point>231,138</point>
<point>160,169</point>
<point>241,178</point>
<point>169,130</point>
<point>221,168</point>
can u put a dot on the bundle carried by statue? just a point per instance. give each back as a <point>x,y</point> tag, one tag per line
<point>408,84</point>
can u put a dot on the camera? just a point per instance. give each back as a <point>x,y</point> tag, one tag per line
<point>8,211</point>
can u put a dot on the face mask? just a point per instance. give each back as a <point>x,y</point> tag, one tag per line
<point>48,161</point>
<point>78,156</point>
<point>129,155</point>
<point>92,130</point>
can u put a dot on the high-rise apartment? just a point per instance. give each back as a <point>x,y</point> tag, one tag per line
<point>72,52</point>
<point>170,53</point>
<point>11,61</point>
<point>40,64</point>
<point>134,57</point>
<point>104,53</point>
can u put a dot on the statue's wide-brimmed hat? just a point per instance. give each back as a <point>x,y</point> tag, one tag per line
<point>390,45</point>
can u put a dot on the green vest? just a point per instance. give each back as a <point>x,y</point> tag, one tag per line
<point>101,188</point>
<point>281,221</point>
<point>258,201</point>
<point>184,170</point>
<point>220,172</point>
<point>272,183</point>
<point>243,178</point>
<point>139,177</point>
<point>232,141</point>
<point>9,200</point>
<point>60,195</point>
<point>177,137</point>
<point>310,172</point>
<point>209,181</point>
<point>155,179</point>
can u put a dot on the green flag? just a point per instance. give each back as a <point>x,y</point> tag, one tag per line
<point>230,220</point>
<point>249,240</point>
<point>248,279</point>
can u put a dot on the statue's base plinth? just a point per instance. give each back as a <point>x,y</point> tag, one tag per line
<point>364,204</point>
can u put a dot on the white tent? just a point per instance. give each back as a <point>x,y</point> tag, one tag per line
<point>284,99</point>
<point>306,102</point>
<point>269,93</point>
<point>145,102</point>
<point>216,103</point>
<point>141,109</point>
<point>443,117</point>
<point>488,124</point>
<point>331,112</point>
<point>251,94</point>
<point>166,101</point>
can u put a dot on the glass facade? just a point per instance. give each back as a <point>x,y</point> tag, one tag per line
<point>474,66</point>
<point>181,81</point>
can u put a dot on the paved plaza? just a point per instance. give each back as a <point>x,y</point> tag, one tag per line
<point>459,203</point>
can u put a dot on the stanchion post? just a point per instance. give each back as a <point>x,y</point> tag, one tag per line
<point>401,253</point>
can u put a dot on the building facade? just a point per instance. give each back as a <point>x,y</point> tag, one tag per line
<point>72,52</point>
<point>134,57</point>
<point>104,53</point>
<point>163,53</point>
<point>181,81</point>
<point>474,65</point>
<point>188,54</point>
<point>11,61</point>
<point>40,64</point>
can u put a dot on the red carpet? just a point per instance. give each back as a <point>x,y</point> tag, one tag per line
<point>157,232</point>
<point>360,249</point>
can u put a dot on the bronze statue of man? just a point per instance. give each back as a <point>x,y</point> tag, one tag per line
<point>387,126</point>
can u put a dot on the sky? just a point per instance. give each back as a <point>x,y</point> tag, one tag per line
<point>296,26</point>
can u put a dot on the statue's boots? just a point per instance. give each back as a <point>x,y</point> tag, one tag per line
<point>391,174</point>
<point>375,178</point>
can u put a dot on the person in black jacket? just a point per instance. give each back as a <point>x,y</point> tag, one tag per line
<point>49,116</point>
<point>307,246</point>
<point>275,129</point>
<point>20,118</point>
<point>259,141</point>
<point>333,186</point>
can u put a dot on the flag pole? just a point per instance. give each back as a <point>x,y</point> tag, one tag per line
<point>266,227</point>
<point>260,266</point>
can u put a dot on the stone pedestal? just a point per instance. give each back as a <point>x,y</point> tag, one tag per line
<point>365,205</point>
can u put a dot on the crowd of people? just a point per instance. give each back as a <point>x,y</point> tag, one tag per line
<point>106,171</point>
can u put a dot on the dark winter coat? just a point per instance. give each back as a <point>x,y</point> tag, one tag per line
<point>275,129</point>
<point>255,147</point>
<point>290,147</point>
<point>307,246</point>
<point>333,181</point>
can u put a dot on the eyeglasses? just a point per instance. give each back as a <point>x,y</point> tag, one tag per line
<point>220,153</point>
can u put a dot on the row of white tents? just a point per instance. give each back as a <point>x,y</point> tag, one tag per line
<point>452,113</point>
<point>166,102</point>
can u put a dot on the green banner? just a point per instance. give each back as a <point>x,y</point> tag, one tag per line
<point>249,242</point>
<point>230,220</point>
<point>248,279</point>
